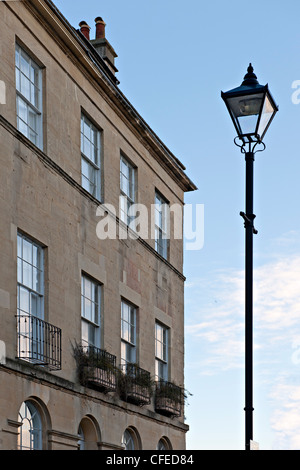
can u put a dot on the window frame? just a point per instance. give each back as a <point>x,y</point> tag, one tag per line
<point>40,294</point>
<point>128,440</point>
<point>162,361</point>
<point>95,166</point>
<point>35,108</point>
<point>92,324</point>
<point>29,412</point>
<point>125,198</point>
<point>128,342</point>
<point>162,225</point>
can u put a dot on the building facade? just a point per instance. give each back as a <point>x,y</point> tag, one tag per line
<point>91,305</point>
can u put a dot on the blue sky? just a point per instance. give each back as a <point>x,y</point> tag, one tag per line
<point>174,60</point>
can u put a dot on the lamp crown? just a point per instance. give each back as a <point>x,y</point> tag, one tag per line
<point>250,79</point>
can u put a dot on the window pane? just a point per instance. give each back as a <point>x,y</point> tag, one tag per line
<point>87,148</point>
<point>32,119</point>
<point>18,79</point>
<point>158,349</point>
<point>87,309</point>
<point>86,128</point>
<point>25,87</point>
<point>24,300</point>
<point>27,274</point>
<point>35,260</point>
<point>125,312</point>
<point>86,184</point>
<point>125,331</point>
<point>24,64</point>
<point>34,95</point>
<point>17,57</point>
<point>27,251</point>
<point>34,305</point>
<point>37,280</point>
<point>85,168</point>
<point>22,110</point>
<point>124,185</point>
<point>84,332</point>
<point>20,277</point>
<point>87,288</point>
<point>123,353</point>
<point>32,136</point>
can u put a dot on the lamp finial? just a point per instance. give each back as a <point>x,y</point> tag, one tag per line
<point>250,78</point>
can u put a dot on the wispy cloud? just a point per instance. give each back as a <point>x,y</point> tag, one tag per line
<point>216,322</point>
<point>285,420</point>
<point>276,308</point>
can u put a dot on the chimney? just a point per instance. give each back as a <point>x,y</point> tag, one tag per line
<point>85,29</point>
<point>100,28</point>
<point>103,47</point>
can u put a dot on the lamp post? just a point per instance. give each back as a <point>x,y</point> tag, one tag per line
<point>252,109</point>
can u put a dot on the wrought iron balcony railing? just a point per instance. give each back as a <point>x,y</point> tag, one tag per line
<point>169,399</point>
<point>38,342</point>
<point>96,368</point>
<point>135,384</point>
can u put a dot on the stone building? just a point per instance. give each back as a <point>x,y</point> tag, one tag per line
<point>91,321</point>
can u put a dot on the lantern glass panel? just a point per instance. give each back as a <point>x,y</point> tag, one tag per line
<point>266,115</point>
<point>245,111</point>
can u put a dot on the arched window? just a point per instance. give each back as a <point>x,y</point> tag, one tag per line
<point>164,444</point>
<point>81,442</point>
<point>30,435</point>
<point>89,434</point>
<point>128,440</point>
<point>131,439</point>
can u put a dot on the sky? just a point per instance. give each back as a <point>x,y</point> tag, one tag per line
<point>174,58</point>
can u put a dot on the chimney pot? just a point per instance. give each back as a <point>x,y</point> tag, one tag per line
<point>100,28</point>
<point>85,29</point>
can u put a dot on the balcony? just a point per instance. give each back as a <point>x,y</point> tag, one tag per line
<point>169,399</point>
<point>96,368</point>
<point>38,342</point>
<point>135,385</point>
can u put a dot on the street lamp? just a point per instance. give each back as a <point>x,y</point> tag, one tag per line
<point>251,108</point>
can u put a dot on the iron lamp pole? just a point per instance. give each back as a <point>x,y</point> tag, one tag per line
<point>252,109</point>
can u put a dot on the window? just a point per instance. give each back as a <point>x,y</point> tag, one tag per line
<point>161,352</point>
<point>29,97</point>
<point>164,444</point>
<point>127,188</point>
<point>30,278</point>
<point>90,157</point>
<point>128,333</point>
<point>161,225</point>
<point>90,312</point>
<point>30,435</point>
<point>131,439</point>
<point>89,434</point>
<point>30,297</point>
<point>128,441</point>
